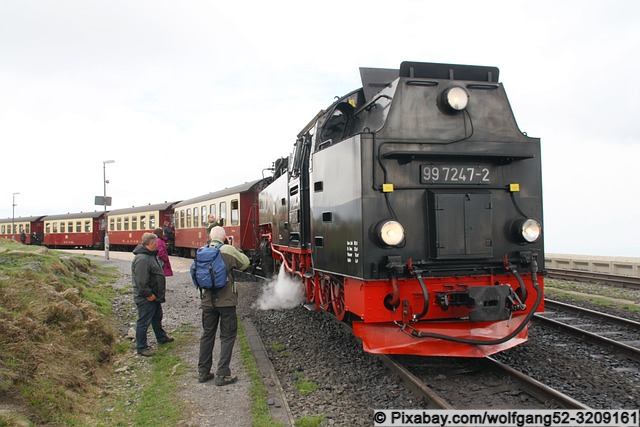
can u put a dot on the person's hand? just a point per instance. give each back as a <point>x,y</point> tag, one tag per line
<point>151,298</point>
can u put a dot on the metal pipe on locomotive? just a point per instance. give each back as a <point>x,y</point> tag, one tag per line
<point>412,207</point>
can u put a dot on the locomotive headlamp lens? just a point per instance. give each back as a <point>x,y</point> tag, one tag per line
<point>391,233</point>
<point>527,230</point>
<point>457,98</point>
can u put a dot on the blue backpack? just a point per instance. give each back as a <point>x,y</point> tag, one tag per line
<point>208,270</point>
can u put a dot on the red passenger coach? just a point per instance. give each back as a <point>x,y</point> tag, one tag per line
<point>78,230</point>
<point>32,226</point>
<point>126,226</point>
<point>236,208</point>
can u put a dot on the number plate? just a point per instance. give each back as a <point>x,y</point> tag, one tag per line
<point>455,174</point>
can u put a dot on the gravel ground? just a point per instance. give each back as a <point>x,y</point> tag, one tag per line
<point>352,383</point>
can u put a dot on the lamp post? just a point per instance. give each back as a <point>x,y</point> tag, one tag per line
<point>106,225</point>
<point>13,217</point>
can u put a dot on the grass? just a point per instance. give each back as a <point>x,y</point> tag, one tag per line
<point>304,385</point>
<point>259,408</point>
<point>311,421</point>
<point>280,348</point>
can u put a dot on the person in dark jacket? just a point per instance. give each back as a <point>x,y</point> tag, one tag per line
<point>219,308</point>
<point>148,293</point>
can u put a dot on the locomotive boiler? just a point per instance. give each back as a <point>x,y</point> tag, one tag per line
<point>412,207</point>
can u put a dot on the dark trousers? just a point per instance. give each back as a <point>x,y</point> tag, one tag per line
<point>149,313</point>
<point>211,317</point>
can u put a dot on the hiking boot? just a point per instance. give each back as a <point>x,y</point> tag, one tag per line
<point>226,380</point>
<point>147,352</point>
<point>203,378</point>
<point>166,340</point>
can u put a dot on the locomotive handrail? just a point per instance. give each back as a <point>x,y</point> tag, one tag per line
<point>311,123</point>
<point>369,105</point>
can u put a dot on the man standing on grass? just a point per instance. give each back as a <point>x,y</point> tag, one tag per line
<point>148,293</point>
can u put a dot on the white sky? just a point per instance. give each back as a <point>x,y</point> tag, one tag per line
<point>193,96</point>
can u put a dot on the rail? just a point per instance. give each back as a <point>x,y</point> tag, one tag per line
<point>588,276</point>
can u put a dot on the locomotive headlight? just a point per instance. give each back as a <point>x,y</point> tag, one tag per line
<point>456,98</point>
<point>527,230</point>
<point>390,232</point>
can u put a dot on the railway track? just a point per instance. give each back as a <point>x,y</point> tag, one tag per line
<point>447,383</point>
<point>588,276</point>
<point>619,334</point>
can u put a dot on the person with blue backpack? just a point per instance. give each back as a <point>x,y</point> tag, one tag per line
<point>218,301</point>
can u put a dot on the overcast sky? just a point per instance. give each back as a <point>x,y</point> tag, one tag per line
<point>193,96</point>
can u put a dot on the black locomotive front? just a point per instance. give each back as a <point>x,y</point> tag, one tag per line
<point>420,202</point>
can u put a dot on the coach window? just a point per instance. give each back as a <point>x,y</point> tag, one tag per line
<point>78,226</point>
<point>134,222</point>
<point>203,214</point>
<point>195,217</point>
<point>223,212</point>
<point>54,227</point>
<point>126,223</point>
<point>112,224</point>
<point>234,212</point>
<point>87,226</point>
<point>119,224</point>
<point>188,218</point>
<point>70,227</point>
<point>212,210</point>
<point>152,222</point>
<point>143,222</point>
<point>2,229</point>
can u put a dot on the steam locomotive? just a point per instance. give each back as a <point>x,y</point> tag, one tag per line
<point>412,208</point>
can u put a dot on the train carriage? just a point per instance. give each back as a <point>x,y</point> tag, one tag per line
<point>126,226</point>
<point>74,230</point>
<point>413,207</point>
<point>32,226</point>
<point>236,207</point>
